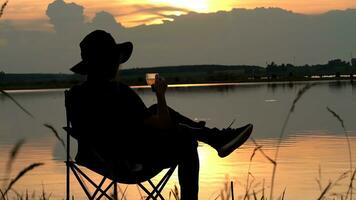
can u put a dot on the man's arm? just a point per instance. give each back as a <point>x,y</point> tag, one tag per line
<point>161,119</point>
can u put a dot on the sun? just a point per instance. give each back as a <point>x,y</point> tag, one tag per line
<point>193,5</point>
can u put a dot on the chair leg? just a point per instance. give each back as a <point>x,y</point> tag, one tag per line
<point>165,179</point>
<point>99,187</point>
<point>115,191</point>
<point>105,191</point>
<point>89,180</point>
<point>150,194</point>
<point>67,181</point>
<point>75,170</point>
<point>157,189</point>
<point>81,183</point>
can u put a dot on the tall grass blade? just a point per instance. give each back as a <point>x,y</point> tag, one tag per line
<point>324,191</point>
<point>284,192</point>
<point>300,93</point>
<point>2,195</point>
<point>254,195</point>
<point>348,144</point>
<point>3,6</point>
<point>55,132</point>
<point>13,153</point>
<point>318,180</point>
<point>259,148</point>
<point>349,191</point>
<point>21,174</point>
<point>17,103</point>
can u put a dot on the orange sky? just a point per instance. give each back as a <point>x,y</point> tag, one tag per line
<point>126,11</point>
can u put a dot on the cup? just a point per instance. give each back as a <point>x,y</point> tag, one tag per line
<point>151,78</point>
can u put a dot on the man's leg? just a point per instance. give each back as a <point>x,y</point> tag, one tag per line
<point>224,141</point>
<point>175,147</point>
<point>179,118</point>
<point>188,174</point>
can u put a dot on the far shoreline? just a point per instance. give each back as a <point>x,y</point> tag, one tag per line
<point>64,86</point>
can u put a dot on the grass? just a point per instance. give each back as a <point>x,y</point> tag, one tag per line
<point>8,186</point>
<point>2,8</point>
<point>251,191</point>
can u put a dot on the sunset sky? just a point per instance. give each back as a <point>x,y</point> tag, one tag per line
<point>45,34</point>
<point>131,13</point>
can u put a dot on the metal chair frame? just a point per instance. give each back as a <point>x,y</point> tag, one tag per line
<point>72,166</point>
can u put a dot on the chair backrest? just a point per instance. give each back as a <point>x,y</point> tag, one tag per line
<point>68,99</point>
<point>129,172</point>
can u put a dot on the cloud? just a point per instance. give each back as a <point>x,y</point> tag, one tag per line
<point>239,36</point>
<point>106,21</point>
<point>65,16</point>
<point>151,9</point>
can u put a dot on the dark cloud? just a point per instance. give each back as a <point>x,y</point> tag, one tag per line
<point>106,21</point>
<point>65,16</point>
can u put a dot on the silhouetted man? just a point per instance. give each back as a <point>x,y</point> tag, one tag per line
<point>111,118</point>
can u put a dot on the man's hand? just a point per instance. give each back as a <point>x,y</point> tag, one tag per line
<point>160,86</point>
<point>162,119</point>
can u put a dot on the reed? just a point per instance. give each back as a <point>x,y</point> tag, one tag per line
<point>13,154</point>
<point>55,132</point>
<point>332,184</point>
<point>21,174</point>
<point>17,103</point>
<point>341,121</point>
<point>2,8</point>
<point>300,94</point>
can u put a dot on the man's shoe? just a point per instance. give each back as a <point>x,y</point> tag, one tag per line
<point>230,139</point>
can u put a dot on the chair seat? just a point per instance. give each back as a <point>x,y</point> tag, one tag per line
<point>123,171</point>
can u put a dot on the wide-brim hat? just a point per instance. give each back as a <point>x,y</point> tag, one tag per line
<point>98,43</point>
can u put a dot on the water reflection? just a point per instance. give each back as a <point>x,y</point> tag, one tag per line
<point>313,137</point>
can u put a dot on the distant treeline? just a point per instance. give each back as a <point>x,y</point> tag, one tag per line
<point>334,69</point>
<point>37,81</point>
<point>242,73</point>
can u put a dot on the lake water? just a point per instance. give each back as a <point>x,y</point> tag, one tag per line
<point>313,147</point>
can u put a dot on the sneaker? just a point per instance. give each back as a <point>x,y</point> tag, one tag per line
<point>230,139</point>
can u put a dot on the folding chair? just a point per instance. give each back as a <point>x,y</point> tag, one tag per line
<point>132,171</point>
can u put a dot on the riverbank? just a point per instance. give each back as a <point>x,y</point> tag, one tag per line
<point>68,84</point>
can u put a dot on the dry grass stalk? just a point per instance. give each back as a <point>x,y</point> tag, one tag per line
<point>349,191</point>
<point>300,93</point>
<point>325,191</point>
<point>3,6</point>
<point>55,132</point>
<point>332,184</point>
<point>259,148</point>
<point>348,144</point>
<point>17,103</point>
<point>175,193</point>
<point>13,154</point>
<point>284,192</point>
<point>249,169</point>
<point>21,174</point>
<point>2,195</point>
<point>318,180</point>
<point>254,195</point>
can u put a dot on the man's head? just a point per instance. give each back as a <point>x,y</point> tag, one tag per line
<point>101,55</point>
